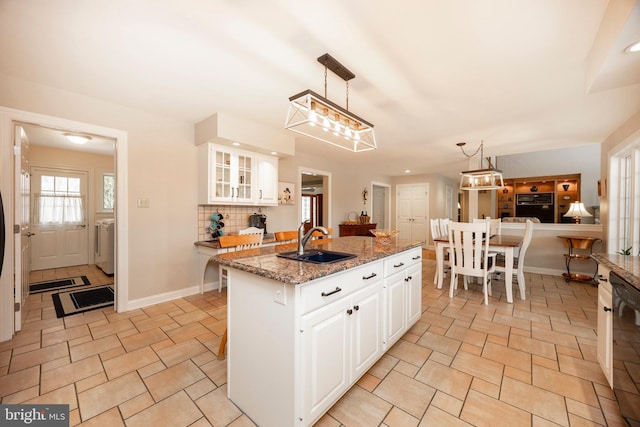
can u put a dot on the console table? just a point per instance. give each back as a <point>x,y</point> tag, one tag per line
<point>580,247</point>
<point>356,229</point>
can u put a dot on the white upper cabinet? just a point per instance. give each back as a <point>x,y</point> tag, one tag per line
<point>236,176</point>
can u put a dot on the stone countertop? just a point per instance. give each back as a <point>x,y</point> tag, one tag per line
<point>264,262</point>
<point>625,266</point>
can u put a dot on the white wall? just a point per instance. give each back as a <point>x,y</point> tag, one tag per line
<point>584,160</point>
<point>161,166</point>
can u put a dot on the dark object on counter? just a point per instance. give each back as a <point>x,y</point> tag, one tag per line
<point>534,189</point>
<point>259,221</point>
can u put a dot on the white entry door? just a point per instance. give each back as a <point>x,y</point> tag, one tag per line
<point>22,195</point>
<point>59,218</point>
<point>412,208</point>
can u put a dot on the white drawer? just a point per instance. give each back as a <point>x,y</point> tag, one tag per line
<point>402,261</point>
<point>331,288</point>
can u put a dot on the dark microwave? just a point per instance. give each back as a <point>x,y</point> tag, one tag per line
<point>534,199</point>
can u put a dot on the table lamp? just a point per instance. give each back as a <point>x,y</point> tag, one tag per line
<point>577,210</point>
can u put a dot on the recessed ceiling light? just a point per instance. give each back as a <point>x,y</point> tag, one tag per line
<point>273,153</point>
<point>236,144</point>
<point>407,171</point>
<point>77,139</point>
<point>635,47</point>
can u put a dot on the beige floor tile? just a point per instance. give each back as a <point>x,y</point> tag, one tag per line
<point>553,337</point>
<point>382,367</point>
<point>407,368</point>
<point>91,382</point>
<point>438,417</point>
<point>217,408</point>
<point>507,356</point>
<point>467,335</point>
<point>69,374</point>
<point>411,353</point>
<point>564,384</point>
<point>109,418</point>
<point>64,335</point>
<point>111,328</point>
<point>547,405</point>
<point>62,396</point>
<point>109,395</point>
<point>399,418</point>
<point>368,382</point>
<point>408,394</point>
<point>182,351</point>
<point>199,389</point>
<point>479,367</point>
<point>439,343</point>
<point>533,346</point>
<point>447,403</point>
<point>94,347</point>
<point>136,405</point>
<point>482,410</point>
<point>22,395</point>
<point>12,383</point>
<point>485,387</point>
<point>173,379</point>
<point>589,370</point>
<point>216,370</point>
<point>36,357</point>
<point>492,328</point>
<point>585,412</point>
<point>129,362</point>
<point>444,378</point>
<point>357,407</point>
<point>176,411</point>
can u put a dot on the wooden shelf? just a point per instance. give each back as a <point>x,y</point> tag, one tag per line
<point>506,198</point>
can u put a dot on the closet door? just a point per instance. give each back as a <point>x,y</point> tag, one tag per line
<point>412,207</point>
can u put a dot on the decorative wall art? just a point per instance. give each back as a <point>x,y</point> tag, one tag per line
<point>286,193</point>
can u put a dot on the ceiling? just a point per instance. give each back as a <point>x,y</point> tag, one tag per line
<point>522,75</point>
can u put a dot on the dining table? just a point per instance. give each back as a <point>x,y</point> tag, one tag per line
<point>505,244</point>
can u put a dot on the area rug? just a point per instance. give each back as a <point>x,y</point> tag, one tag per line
<point>59,284</point>
<point>80,301</point>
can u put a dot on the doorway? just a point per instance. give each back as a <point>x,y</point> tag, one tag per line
<point>315,198</point>
<point>381,205</point>
<point>10,122</point>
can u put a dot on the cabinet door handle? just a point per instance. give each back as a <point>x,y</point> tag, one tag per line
<point>349,312</point>
<point>369,277</point>
<point>408,279</point>
<point>416,257</point>
<point>398,265</point>
<point>260,194</point>
<point>335,291</point>
<point>607,309</point>
<point>356,307</point>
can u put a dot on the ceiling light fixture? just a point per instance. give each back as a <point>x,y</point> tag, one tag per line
<point>480,179</point>
<point>315,116</point>
<point>632,48</point>
<point>77,139</point>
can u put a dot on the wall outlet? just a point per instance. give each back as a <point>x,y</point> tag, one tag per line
<point>280,293</point>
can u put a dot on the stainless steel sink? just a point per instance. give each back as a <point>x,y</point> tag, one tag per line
<point>317,256</point>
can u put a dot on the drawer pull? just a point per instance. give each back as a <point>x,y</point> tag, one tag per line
<point>356,307</point>
<point>398,265</point>
<point>349,312</point>
<point>416,257</point>
<point>335,291</point>
<point>369,277</point>
<point>407,279</point>
<point>607,309</point>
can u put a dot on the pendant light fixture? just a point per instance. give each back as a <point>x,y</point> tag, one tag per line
<point>480,179</point>
<point>315,116</point>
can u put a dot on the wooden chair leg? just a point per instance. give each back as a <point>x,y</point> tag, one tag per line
<point>223,346</point>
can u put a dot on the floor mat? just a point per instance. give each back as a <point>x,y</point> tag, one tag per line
<point>55,285</point>
<point>79,301</point>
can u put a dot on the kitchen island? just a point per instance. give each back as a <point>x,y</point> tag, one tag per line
<point>301,334</point>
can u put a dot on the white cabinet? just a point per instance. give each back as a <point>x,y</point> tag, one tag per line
<point>234,176</point>
<point>403,293</point>
<point>267,183</point>
<point>605,324</point>
<point>339,343</point>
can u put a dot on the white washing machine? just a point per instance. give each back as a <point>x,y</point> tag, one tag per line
<point>105,247</point>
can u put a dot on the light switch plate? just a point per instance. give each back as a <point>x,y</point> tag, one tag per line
<point>143,202</point>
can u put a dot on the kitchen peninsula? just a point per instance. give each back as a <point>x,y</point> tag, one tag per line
<point>301,334</point>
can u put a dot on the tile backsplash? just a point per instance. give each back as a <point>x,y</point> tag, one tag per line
<point>235,218</point>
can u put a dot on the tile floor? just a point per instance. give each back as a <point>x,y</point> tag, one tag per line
<point>531,363</point>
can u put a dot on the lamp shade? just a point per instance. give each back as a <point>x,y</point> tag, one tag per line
<point>577,210</point>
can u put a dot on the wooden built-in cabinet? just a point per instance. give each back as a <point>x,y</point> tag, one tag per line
<point>561,190</point>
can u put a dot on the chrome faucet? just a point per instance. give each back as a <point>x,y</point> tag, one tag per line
<point>304,238</point>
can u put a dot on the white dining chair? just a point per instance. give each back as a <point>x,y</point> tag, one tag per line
<point>253,230</point>
<point>496,224</point>
<point>469,256</point>
<point>518,261</point>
